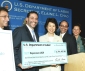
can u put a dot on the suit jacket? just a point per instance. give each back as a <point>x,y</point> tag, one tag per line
<point>45,38</point>
<point>71,46</point>
<point>71,43</point>
<point>21,34</point>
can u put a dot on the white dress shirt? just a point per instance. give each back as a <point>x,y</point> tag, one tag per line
<point>31,31</point>
<point>61,35</point>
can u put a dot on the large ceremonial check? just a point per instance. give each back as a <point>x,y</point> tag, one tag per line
<point>7,62</point>
<point>43,53</point>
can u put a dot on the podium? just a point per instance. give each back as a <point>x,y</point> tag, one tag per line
<point>76,62</point>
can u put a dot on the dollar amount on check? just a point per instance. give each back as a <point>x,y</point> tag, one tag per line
<point>43,53</point>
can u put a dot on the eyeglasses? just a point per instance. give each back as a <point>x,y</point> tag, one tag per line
<point>5,16</point>
<point>64,26</point>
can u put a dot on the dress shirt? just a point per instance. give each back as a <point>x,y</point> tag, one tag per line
<point>31,31</point>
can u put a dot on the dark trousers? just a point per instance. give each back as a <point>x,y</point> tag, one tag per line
<point>62,67</point>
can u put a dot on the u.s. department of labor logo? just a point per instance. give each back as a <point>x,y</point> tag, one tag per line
<point>7,4</point>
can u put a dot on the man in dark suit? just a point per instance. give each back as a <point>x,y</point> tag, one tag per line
<point>24,33</point>
<point>68,38</point>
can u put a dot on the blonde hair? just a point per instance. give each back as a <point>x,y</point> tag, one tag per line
<point>25,21</point>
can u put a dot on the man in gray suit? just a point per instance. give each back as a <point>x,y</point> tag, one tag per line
<point>24,33</point>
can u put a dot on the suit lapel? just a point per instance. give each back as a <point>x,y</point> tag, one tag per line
<point>37,37</point>
<point>28,32</point>
<point>46,38</point>
<point>65,36</point>
<point>55,38</point>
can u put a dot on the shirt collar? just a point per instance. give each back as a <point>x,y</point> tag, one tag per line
<point>62,34</point>
<point>29,28</point>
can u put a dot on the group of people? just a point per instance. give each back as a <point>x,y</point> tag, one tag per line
<point>75,43</point>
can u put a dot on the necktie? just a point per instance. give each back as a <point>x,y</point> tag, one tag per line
<point>33,36</point>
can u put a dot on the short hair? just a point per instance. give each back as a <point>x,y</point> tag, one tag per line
<point>53,20</point>
<point>77,24</point>
<point>63,21</point>
<point>31,13</point>
<point>3,9</point>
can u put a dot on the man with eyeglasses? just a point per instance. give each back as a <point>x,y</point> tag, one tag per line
<point>4,18</point>
<point>68,38</point>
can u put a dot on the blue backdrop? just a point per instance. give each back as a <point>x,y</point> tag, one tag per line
<point>19,9</point>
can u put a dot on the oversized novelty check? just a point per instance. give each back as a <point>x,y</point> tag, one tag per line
<point>43,53</point>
